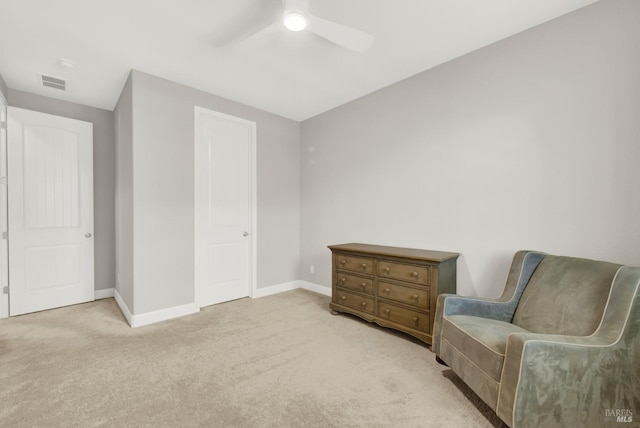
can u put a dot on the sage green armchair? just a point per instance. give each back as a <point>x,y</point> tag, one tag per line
<point>559,348</point>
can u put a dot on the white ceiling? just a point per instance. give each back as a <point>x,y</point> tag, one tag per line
<point>296,75</point>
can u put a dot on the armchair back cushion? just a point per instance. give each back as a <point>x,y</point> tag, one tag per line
<point>565,296</point>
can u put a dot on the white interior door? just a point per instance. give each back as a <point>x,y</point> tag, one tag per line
<point>4,248</point>
<point>50,185</point>
<point>223,206</point>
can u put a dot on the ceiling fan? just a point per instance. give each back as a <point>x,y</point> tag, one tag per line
<point>294,15</point>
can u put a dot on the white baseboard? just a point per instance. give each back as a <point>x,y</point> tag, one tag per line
<point>192,308</point>
<point>316,288</point>
<point>123,307</point>
<point>155,316</point>
<point>275,289</point>
<point>164,314</point>
<point>292,285</point>
<point>105,293</point>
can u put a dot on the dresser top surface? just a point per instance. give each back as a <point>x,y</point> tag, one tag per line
<point>409,253</point>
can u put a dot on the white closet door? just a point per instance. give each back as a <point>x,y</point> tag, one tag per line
<point>50,183</point>
<point>223,207</point>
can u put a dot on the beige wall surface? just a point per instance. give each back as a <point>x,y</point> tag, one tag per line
<point>123,122</point>
<point>529,143</point>
<point>103,173</point>
<point>163,191</point>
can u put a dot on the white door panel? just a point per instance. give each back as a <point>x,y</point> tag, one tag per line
<point>4,248</point>
<point>223,207</point>
<point>51,177</point>
<point>50,161</point>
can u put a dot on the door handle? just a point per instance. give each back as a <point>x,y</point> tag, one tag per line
<point>87,235</point>
<point>245,234</point>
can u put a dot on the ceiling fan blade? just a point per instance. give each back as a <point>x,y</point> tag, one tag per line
<point>276,27</point>
<point>255,21</point>
<point>339,34</point>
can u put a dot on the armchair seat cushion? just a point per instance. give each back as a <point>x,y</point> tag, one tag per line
<point>482,340</point>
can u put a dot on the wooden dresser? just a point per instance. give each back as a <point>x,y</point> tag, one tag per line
<point>393,287</point>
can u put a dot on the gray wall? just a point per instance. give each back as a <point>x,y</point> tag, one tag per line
<point>529,143</point>
<point>123,121</point>
<point>163,211</point>
<point>103,173</point>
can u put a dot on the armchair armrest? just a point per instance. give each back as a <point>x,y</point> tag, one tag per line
<point>554,380</point>
<point>523,265</point>
<point>493,308</point>
<point>451,304</point>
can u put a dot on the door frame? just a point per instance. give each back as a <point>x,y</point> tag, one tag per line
<point>253,224</point>
<point>4,197</point>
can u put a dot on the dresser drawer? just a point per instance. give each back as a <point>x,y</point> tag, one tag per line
<point>354,264</point>
<point>402,294</point>
<point>391,286</point>
<point>364,304</point>
<point>409,273</point>
<point>364,285</point>
<point>413,319</point>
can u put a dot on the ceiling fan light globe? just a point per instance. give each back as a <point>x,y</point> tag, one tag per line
<point>295,21</point>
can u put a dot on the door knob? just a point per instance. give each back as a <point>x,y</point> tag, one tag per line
<point>245,234</point>
<point>87,235</point>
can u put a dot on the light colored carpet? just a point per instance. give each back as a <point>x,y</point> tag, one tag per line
<point>278,361</point>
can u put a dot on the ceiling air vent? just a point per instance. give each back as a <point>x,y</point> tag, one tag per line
<point>54,82</point>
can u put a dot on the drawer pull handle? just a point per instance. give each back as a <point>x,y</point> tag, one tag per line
<point>343,297</point>
<point>388,311</point>
<point>415,274</point>
<point>364,285</point>
<point>386,290</point>
<point>343,280</point>
<point>363,304</point>
<point>415,297</point>
<point>415,320</point>
<point>364,265</point>
<point>387,269</point>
